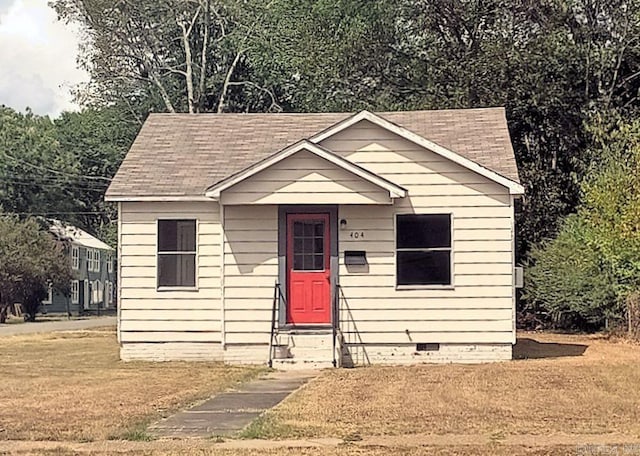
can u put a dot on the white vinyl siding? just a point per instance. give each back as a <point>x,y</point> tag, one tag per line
<point>478,308</point>
<point>305,178</point>
<point>250,271</point>
<point>149,315</point>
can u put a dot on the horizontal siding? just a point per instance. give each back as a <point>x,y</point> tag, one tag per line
<point>250,268</point>
<point>311,180</point>
<point>148,315</point>
<point>479,307</point>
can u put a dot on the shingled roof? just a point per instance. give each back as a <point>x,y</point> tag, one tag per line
<point>181,155</point>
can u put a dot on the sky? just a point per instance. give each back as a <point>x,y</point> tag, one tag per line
<point>38,67</point>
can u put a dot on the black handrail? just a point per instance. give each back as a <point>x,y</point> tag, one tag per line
<point>276,295</point>
<point>334,321</point>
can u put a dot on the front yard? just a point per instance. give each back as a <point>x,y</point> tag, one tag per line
<point>576,385</point>
<point>571,391</point>
<point>71,386</point>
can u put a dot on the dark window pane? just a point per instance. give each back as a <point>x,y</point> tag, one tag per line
<point>297,245</point>
<point>176,235</point>
<point>424,268</point>
<point>298,263</point>
<point>318,262</point>
<point>308,228</point>
<point>318,245</point>
<point>297,228</point>
<point>177,270</point>
<point>319,228</point>
<point>423,231</point>
<point>308,245</point>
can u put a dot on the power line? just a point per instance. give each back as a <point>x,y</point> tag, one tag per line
<point>53,170</point>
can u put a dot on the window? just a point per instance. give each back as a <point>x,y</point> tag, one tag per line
<point>109,264</point>
<point>308,245</point>
<point>90,260</point>
<point>176,253</point>
<point>96,260</point>
<point>423,244</point>
<point>75,257</point>
<point>49,298</point>
<point>75,292</point>
<point>109,292</point>
<point>97,291</point>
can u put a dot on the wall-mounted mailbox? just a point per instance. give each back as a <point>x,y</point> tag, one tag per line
<point>355,257</point>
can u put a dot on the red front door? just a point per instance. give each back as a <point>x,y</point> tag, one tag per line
<point>308,270</point>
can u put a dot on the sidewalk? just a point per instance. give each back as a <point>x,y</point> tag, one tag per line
<point>50,326</point>
<point>228,413</point>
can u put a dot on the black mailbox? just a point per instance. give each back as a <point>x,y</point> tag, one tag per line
<point>355,257</point>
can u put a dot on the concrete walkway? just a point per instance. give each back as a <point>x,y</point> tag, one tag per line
<point>50,326</point>
<point>228,413</point>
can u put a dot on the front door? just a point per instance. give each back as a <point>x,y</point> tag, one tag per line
<point>308,269</point>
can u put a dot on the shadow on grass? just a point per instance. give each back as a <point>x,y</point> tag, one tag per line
<point>526,348</point>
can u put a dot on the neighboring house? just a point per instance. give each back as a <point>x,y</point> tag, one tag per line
<point>393,231</point>
<point>93,287</point>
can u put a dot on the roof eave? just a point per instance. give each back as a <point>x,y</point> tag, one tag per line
<point>515,188</point>
<point>395,191</point>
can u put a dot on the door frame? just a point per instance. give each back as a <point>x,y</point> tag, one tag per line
<point>283,211</point>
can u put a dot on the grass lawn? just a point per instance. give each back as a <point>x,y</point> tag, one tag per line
<point>576,385</point>
<point>71,386</point>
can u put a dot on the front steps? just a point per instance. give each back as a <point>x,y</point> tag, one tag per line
<point>304,350</point>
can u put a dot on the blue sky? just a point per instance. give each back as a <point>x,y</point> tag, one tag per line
<point>38,55</point>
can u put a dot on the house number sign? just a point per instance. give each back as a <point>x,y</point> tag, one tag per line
<point>356,234</point>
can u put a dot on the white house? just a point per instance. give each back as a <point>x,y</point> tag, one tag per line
<point>318,238</point>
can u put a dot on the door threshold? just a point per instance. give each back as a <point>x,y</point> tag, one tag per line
<point>306,329</point>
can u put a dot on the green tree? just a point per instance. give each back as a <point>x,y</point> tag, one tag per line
<point>30,261</point>
<point>594,263</point>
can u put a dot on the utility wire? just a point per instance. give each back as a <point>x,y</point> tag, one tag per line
<point>43,168</point>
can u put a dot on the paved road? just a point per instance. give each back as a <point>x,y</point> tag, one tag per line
<point>50,326</point>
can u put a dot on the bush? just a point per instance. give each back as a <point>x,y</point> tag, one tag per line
<point>593,264</point>
<point>565,275</point>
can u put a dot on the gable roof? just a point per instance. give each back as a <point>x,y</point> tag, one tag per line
<point>76,236</point>
<point>179,156</point>
<point>395,191</point>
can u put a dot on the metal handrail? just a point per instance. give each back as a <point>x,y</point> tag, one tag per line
<point>276,296</point>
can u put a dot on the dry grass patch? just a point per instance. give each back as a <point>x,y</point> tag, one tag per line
<point>579,384</point>
<point>72,386</point>
<point>344,450</point>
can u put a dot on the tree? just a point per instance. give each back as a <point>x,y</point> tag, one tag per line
<point>96,140</point>
<point>30,262</point>
<point>183,56</point>
<point>593,265</point>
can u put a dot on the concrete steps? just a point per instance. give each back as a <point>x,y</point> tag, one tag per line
<point>303,350</point>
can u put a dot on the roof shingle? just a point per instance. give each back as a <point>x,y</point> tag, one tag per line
<point>183,154</point>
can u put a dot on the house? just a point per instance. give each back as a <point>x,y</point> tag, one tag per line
<point>318,238</point>
<point>94,274</point>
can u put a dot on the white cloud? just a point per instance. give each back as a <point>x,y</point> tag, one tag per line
<point>38,54</point>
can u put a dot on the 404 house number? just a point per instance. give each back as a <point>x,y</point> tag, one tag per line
<point>356,234</point>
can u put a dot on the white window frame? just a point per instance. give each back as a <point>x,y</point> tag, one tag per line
<point>174,288</point>
<point>49,298</point>
<point>110,264</point>
<point>75,257</point>
<point>96,260</point>
<point>449,286</point>
<point>90,260</point>
<point>75,292</point>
